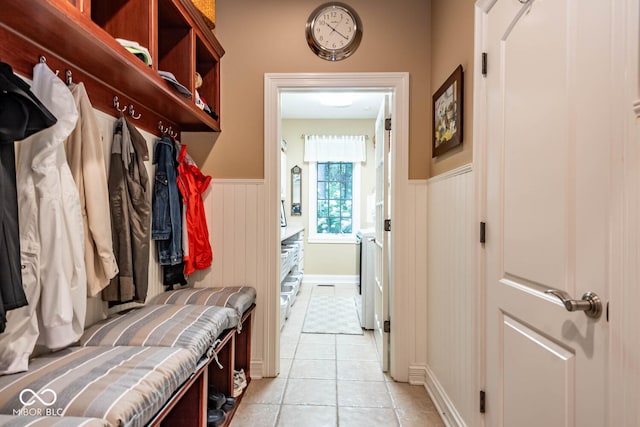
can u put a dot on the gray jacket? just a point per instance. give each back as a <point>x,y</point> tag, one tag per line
<point>130,203</point>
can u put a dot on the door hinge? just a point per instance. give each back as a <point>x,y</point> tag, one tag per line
<point>484,64</point>
<point>387,225</point>
<point>483,235</point>
<point>386,326</point>
<point>387,124</point>
<point>482,401</point>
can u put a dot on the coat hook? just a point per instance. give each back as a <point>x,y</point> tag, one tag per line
<point>163,130</point>
<point>68,77</point>
<point>133,114</point>
<point>42,59</point>
<point>116,104</point>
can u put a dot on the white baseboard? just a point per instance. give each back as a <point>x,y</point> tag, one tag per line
<point>327,279</point>
<point>446,408</point>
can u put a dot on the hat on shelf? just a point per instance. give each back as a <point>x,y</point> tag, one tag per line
<point>172,79</point>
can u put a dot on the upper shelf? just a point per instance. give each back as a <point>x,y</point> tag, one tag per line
<point>89,46</point>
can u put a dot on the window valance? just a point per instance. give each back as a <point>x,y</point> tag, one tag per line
<point>335,148</point>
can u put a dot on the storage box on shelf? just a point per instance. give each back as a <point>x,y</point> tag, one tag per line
<point>81,36</point>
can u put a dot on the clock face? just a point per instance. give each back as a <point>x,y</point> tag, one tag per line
<point>334,31</point>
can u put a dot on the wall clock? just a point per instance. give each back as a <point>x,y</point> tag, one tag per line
<point>334,31</point>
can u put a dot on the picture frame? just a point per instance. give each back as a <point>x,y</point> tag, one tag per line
<point>447,114</point>
<point>296,191</point>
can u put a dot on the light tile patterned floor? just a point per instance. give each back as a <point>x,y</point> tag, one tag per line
<point>331,380</point>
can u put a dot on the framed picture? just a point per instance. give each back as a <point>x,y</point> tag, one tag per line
<point>447,114</point>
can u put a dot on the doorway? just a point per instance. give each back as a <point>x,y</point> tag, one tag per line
<point>275,84</point>
<point>334,140</point>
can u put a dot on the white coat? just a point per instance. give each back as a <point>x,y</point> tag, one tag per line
<point>51,235</point>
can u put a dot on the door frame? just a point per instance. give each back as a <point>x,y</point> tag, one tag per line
<point>624,275</point>
<point>398,84</point>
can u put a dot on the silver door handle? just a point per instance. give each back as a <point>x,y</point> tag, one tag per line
<point>590,302</point>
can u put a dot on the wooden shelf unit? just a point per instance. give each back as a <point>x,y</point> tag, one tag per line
<point>80,35</point>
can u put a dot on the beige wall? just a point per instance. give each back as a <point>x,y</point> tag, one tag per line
<point>327,258</point>
<point>452,30</point>
<point>268,37</point>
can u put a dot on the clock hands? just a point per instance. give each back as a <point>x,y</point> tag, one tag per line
<point>334,29</point>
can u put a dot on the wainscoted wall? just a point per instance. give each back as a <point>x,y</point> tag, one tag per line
<point>235,212</point>
<point>451,307</point>
<point>236,222</point>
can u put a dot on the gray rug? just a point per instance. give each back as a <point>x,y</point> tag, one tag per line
<point>328,314</point>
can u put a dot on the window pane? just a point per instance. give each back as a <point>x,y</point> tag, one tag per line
<point>334,225</point>
<point>323,225</point>
<point>346,226</point>
<point>323,208</point>
<point>334,190</point>
<point>322,171</point>
<point>334,209</point>
<point>322,191</point>
<point>346,209</point>
<point>334,172</point>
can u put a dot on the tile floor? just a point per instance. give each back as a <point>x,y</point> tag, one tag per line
<point>331,380</point>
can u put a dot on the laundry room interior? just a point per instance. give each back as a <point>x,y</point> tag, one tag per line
<point>332,255</point>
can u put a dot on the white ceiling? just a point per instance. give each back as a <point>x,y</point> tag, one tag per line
<point>296,104</point>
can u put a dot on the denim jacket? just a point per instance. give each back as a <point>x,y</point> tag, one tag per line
<point>166,223</point>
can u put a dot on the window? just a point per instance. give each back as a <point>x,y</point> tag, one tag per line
<point>334,201</point>
<point>334,198</point>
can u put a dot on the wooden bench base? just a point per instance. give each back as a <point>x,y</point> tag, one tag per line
<point>188,406</point>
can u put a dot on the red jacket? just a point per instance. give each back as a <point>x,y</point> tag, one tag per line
<point>192,184</point>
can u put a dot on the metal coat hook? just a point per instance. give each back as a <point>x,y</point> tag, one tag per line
<point>132,113</point>
<point>116,104</point>
<point>43,60</point>
<point>166,130</point>
<point>68,77</point>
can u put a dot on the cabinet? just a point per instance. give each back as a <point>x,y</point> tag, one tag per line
<point>80,36</point>
<point>291,268</point>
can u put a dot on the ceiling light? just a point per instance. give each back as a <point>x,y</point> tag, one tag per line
<point>340,99</point>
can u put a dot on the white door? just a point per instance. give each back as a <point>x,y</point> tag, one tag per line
<point>381,296</point>
<point>548,168</point>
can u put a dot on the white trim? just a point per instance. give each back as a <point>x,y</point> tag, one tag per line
<point>446,408</point>
<point>398,83</point>
<point>624,375</point>
<point>328,279</point>
<point>450,174</point>
<point>478,382</point>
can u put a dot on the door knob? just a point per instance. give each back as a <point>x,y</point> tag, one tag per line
<point>590,302</point>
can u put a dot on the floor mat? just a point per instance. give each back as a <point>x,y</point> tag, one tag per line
<point>329,314</point>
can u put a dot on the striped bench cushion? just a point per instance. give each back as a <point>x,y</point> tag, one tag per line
<point>193,327</point>
<point>240,298</point>
<point>126,386</point>
<point>26,421</point>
